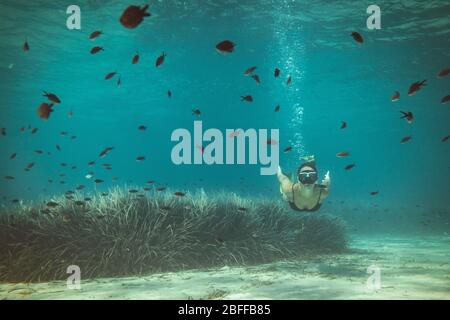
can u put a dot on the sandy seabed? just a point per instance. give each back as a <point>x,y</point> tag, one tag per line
<point>410,268</point>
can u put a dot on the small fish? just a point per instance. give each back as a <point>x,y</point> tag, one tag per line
<point>38,151</point>
<point>142,128</point>
<point>147,188</point>
<point>9,178</point>
<point>13,156</point>
<point>396,96</point>
<point>3,131</point>
<point>110,75</point>
<point>443,73</point>
<point>104,194</point>
<point>357,37</point>
<point>342,154</point>
<point>416,86</point>
<point>445,99</point>
<point>277,108</point>
<point>63,133</point>
<point>133,16</point>
<point>350,166</point>
<point>105,152</point>
<point>15,201</point>
<point>150,181</point>
<point>44,110</point>
<point>80,187</point>
<point>98,181</point>
<point>30,165</point>
<point>87,199</point>
<point>140,158</point>
<point>256,78</point>
<point>79,203</point>
<point>135,58</point>
<point>52,204</point>
<point>225,47</point>
<point>408,116</point>
<point>343,124</point>
<point>242,209</point>
<point>405,139</point>
<point>374,193</point>
<point>161,189</point>
<point>289,80</point>
<point>33,131</point>
<point>179,194</point>
<point>444,139</point>
<point>272,142</point>
<point>95,34</point>
<point>119,82</point>
<point>196,112</point>
<point>169,94</point>
<point>249,71</point>
<point>26,46</point>
<point>160,59</point>
<point>287,149</point>
<point>247,98</point>
<point>91,163</point>
<point>133,191</point>
<point>97,49</point>
<point>52,97</point>
<point>276,73</point>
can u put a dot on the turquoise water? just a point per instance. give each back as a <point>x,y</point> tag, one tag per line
<point>334,79</point>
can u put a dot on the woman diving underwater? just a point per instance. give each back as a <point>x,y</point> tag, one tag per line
<point>306,194</point>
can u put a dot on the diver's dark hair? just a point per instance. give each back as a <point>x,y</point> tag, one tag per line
<point>311,164</point>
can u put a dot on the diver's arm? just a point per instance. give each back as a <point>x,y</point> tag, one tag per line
<point>285,185</point>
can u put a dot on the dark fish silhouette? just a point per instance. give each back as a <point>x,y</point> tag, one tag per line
<point>52,97</point>
<point>445,99</point>
<point>247,98</point>
<point>249,71</point>
<point>287,149</point>
<point>142,128</point>
<point>443,73</point>
<point>256,78</point>
<point>52,204</point>
<point>180,194</point>
<point>405,139</point>
<point>133,16</point>
<point>140,158</point>
<point>277,108</point>
<point>13,156</point>
<point>289,80</point>
<point>277,72</point>
<point>350,166</point>
<point>110,75</point>
<point>197,112</point>
<point>160,59</point>
<point>357,37</point>
<point>44,110</point>
<point>396,96</point>
<point>95,50</point>
<point>408,116</point>
<point>135,58</point>
<point>26,46</point>
<point>416,86</point>
<point>9,178</point>
<point>98,181</point>
<point>374,193</point>
<point>95,34</point>
<point>169,94</point>
<point>225,46</point>
<point>444,139</point>
<point>342,154</point>
<point>343,124</point>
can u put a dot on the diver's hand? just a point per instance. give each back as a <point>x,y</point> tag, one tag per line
<point>279,172</point>
<point>327,180</point>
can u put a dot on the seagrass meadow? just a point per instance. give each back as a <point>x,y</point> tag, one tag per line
<point>124,234</point>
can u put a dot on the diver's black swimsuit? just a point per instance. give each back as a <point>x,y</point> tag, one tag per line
<point>315,208</point>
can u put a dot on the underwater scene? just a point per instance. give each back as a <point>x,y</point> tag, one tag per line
<point>224,149</point>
